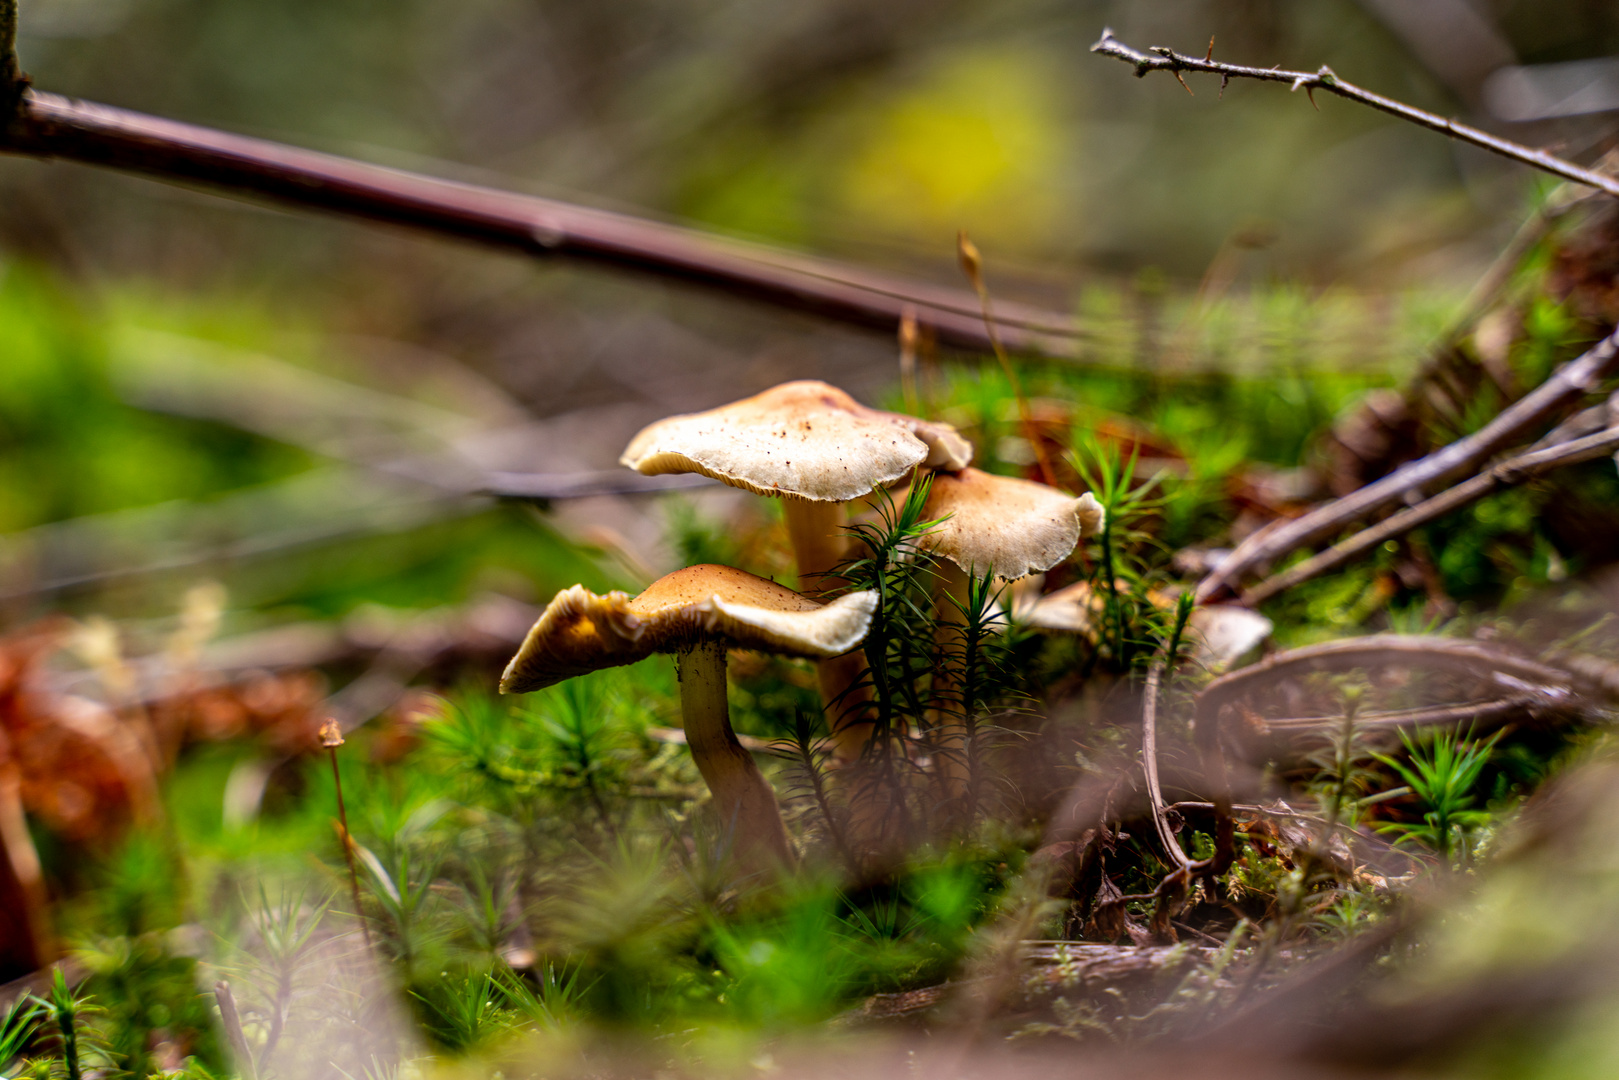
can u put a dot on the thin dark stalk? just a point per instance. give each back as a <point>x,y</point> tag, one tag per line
<point>1517,470</point>
<point>11,78</point>
<point>802,746</point>
<point>1164,59</point>
<point>1115,610</point>
<point>973,264</point>
<point>331,737</point>
<point>1566,386</point>
<point>52,126</point>
<point>66,1008</point>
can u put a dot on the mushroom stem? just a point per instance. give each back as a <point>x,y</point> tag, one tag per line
<point>743,797</point>
<point>816,532</point>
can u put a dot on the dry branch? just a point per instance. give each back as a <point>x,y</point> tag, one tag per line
<point>1164,59</point>
<point>1567,385</point>
<point>1518,470</point>
<point>1377,650</point>
<point>52,126</point>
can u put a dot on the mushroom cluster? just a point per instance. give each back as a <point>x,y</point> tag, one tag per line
<point>819,451</point>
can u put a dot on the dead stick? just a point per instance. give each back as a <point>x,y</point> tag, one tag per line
<point>1377,650</point>
<point>1472,711</point>
<point>1508,473</point>
<point>1567,385</point>
<point>1163,59</point>
<point>51,126</point>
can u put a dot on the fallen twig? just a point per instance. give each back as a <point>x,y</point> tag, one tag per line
<point>1164,59</point>
<point>1377,650</point>
<point>51,126</point>
<point>1473,712</point>
<point>1517,470</point>
<point>1566,385</point>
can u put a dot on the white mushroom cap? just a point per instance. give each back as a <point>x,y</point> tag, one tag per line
<point>581,632</point>
<point>804,439</point>
<point>1008,526</point>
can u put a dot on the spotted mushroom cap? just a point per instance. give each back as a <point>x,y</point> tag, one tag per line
<point>581,632</point>
<point>805,439</point>
<point>1008,526</point>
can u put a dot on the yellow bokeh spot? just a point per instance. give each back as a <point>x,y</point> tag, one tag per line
<point>976,145</point>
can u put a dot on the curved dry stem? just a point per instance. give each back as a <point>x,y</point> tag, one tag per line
<point>744,798</point>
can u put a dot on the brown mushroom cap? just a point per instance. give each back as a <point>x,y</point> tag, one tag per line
<point>581,632</point>
<point>804,439</point>
<point>1008,526</point>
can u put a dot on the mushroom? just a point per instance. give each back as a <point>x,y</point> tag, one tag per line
<point>1221,634</point>
<point>1008,527</point>
<point>1002,526</point>
<point>696,613</point>
<point>818,449</point>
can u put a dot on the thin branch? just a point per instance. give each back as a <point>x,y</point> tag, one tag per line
<point>1163,59</point>
<point>1518,470</point>
<point>1567,385</point>
<point>51,126</point>
<point>1472,711</point>
<point>1426,652</point>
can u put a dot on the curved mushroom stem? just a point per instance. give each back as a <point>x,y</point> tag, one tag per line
<point>816,532</point>
<point>744,798</point>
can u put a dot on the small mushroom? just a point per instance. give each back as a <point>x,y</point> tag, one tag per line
<point>1220,634</point>
<point>1002,526</point>
<point>697,614</point>
<point>818,449</point>
<point>1008,527</point>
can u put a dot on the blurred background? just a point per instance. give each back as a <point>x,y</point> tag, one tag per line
<point>244,448</point>
<point>866,132</point>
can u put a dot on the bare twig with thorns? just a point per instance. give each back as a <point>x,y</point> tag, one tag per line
<point>1165,59</point>
<point>1517,470</point>
<point>1566,386</point>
